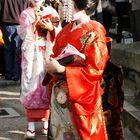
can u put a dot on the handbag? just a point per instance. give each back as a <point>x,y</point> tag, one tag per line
<point>1,38</point>
<point>73,60</point>
<point>68,56</point>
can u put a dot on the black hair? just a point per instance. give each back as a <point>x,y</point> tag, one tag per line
<point>88,5</point>
<point>48,2</point>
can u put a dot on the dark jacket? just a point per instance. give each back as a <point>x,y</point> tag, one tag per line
<point>11,9</point>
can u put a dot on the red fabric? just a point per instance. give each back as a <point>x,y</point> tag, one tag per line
<point>84,82</point>
<point>84,127</point>
<point>37,114</point>
<point>43,32</point>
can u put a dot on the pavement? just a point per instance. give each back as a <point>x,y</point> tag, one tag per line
<point>131,113</point>
<point>14,127</point>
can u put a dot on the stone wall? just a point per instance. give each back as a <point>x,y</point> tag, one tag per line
<point>128,56</point>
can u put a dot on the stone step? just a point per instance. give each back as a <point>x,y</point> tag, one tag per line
<point>131,118</point>
<point>4,82</point>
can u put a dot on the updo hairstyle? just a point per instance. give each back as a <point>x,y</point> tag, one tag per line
<point>88,5</point>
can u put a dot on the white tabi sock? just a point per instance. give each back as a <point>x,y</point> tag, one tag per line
<point>31,126</point>
<point>46,124</point>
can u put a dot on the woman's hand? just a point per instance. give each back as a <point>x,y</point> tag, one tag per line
<point>38,13</point>
<point>46,24</point>
<point>37,17</point>
<point>53,66</point>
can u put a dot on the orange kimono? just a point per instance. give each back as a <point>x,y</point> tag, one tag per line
<point>76,107</point>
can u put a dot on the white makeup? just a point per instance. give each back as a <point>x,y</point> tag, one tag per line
<point>37,2</point>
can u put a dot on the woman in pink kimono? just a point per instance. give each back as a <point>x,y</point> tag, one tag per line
<point>39,24</point>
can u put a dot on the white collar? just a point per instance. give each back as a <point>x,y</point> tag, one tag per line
<point>81,16</point>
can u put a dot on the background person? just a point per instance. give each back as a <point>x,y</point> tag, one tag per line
<point>122,11</point>
<point>134,19</point>
<point>39,25</point>
<point>9,22</point>
<point>109,11</point>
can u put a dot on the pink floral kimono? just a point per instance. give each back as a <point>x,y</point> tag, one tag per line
<point>36,47</point>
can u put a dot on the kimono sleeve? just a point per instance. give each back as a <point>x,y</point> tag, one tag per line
<point>25,20</point>
<point>84,80</point>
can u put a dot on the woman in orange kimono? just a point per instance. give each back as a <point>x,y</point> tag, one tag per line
<point>75,92</point>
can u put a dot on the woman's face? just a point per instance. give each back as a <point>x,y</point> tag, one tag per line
<point>37,2</point>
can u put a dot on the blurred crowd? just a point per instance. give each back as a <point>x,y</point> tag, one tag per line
<point>122,15</point>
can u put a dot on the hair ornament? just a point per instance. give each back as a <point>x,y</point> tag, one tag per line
<point>67,10</point>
